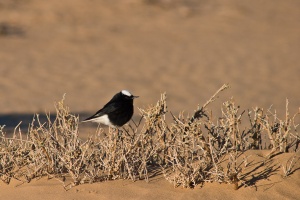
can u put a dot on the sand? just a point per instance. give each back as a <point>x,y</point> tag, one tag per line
<point>90,50</point>
<point>266,183</point>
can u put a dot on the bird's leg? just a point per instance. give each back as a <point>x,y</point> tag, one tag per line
<point>116,130</point>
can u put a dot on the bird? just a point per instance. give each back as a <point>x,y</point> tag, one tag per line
<point>117,112</point>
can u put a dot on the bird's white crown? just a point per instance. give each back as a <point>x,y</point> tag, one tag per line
<point>126,92</point>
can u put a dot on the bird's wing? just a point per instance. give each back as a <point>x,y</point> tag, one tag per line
<point>108,108</point>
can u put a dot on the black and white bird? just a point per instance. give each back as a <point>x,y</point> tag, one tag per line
<point>117,112</point>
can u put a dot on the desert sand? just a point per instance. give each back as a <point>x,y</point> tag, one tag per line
<point>268,184</point>
<point>90,50</point>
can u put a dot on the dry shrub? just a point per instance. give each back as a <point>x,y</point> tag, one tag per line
<point>188,151</point>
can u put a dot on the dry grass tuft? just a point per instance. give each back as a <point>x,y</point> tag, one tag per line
<point>188,151</point>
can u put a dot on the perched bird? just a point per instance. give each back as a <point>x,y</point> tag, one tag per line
<point>117,112</point>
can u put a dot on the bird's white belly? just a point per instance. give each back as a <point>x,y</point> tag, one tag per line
<point>103,120</point>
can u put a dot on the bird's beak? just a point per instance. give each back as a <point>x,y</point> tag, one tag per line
<point>135,97</point>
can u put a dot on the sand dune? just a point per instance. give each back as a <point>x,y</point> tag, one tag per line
<point>267,184</point>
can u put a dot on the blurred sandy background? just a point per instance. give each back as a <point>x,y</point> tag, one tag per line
<point>92,49</point>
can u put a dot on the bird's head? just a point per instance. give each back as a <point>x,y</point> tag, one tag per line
<point>127,95</point>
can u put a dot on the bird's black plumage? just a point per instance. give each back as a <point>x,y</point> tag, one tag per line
<point>117,112</point>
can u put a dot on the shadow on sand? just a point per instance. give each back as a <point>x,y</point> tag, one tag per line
<point>11,121</point>
<point>23,120</point>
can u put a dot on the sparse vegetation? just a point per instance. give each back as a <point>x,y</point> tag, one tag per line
<point>188,151</point>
